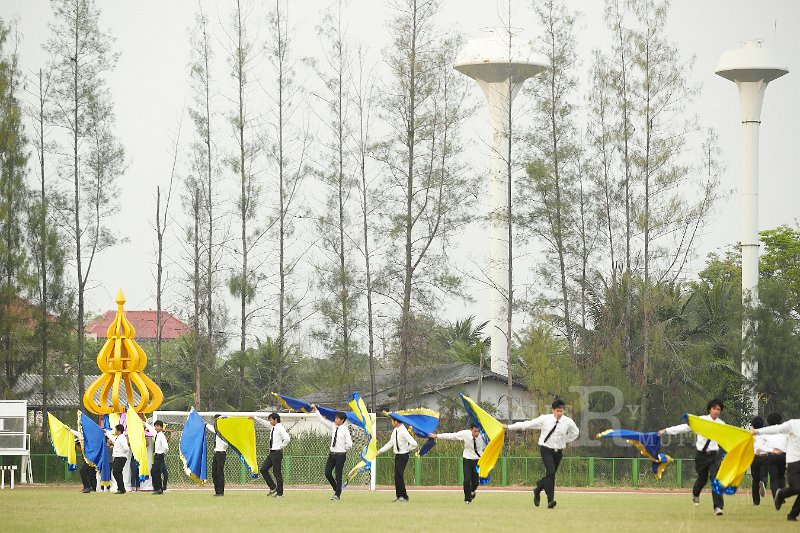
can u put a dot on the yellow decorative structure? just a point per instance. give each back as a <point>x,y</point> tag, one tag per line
<point>122,360</point>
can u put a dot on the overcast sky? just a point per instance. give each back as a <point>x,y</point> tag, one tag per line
<point>150,88</point>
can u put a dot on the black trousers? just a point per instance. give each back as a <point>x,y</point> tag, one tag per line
<point>218,472</point>
<point>88,476</point>
<point>335,462</point>
<point>273,461</point>
<point>706,464</point>
<point>776,466</point>
<point>470,478</point>
<point>400,462</point>
<point>793,477</point>
<point>159,472</point>
<point>758,471</point>
<point>551,459</point>
<point>117,466</point>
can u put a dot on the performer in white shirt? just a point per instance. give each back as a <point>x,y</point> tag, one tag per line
<point>401,443</point>
<point>88,473</point>
<point>707,458</point>
<point>758,468</point>
<point>791,428</point>
<point>557,429</point>
<point>119,455</point>
<point>218,464</point>
<point>341,442</point>
<point>474,445</point>
<point>776,461</point>
<point>278,439</point>
<point>158,471</point>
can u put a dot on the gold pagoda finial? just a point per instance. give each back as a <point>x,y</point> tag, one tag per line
<point>122,360</point>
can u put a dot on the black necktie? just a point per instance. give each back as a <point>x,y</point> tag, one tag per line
<point>475,447</point>
<point>335,434</point>
<point>708,441</point>
<point>270,437</point>
<point>551,431</point>
<point>397,440</point>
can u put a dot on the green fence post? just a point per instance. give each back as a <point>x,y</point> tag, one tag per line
<point>680,472</point>
<point>635,472</point>
<point>242,472</point>
<point>45,469</point>
<point>504,470</point>
<point>591,471</point>
<point>460,476</point>
<point>417,471</point>
<point>288,472</point>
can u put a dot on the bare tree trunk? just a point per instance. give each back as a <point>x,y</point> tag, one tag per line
<point>43,259</point>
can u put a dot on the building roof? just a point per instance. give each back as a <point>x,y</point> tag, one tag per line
<point>422,381</point>
<point>63,393</point>
<point>144,322</point>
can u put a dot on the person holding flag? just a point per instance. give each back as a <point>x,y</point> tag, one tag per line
<point>158,471</point>
<point>341,442</point>
<point>119,455</point>
<point>218,463</point>
<point>474,445</point>
<point>278,439</point>
<point>401,442</point>
<point>707,459</point>
<point>557,429</point>
<point>790,428</point>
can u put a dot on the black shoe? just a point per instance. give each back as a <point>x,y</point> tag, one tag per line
<point>779,499</point>
<point>157,492</point>
<point>272,492</point>
<point>86,491</point>
<point>551,505</point>
<point>791,518</point>
<point>219,494</point>
<point>121,492</point>
<point>537,496</point>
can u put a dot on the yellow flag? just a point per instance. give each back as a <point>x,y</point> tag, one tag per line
<point>240,434</point>
<point>63,441</point>
<point>492,429</point>
<point>737,442</point>
<point>367,424</point>
<point>137,441</point>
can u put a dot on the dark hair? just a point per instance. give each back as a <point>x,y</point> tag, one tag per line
<point>217,416</point>
<point>120,428</point>
<point>274,416</point>
<point>158,423</point>
<point>774,419</point>
<point>341,415</point>
<point>757,422</point>
<point>715,402</point>
<point>473,425</point>
<point>558,403</point>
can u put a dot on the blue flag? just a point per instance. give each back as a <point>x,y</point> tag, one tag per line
<point>648,444</point>
<point>193,447</point>
<point>293,404</point>
<point>95,451</point>
<point>423,422</point>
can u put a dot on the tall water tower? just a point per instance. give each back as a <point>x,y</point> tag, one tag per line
<point>500,67</point>
<point>751,68</point>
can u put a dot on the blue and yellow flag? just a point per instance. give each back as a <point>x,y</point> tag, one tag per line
<point>95,451</point>
<point>493,432</point>
<point>422,422</point>
<point>138,442</point>
<point>648,444</point>
<point>240,434</point>
<point>738,445</point>
<point>63,441</point>
<point>367,423</point>
<point>293,404</point>
<point>193,447</point>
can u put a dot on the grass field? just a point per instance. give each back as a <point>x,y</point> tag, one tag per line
<point>62,509</point>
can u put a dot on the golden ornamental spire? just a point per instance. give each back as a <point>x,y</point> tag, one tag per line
<point>121,360</point>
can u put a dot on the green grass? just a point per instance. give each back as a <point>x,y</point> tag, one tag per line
<point>62,509</point>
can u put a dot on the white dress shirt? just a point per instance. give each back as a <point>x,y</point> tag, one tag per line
<point>760,445</point>
<point>400,442</point>
<point>160,444</point>
<point>792,429</point>
<point>701,441</point>
<point>341,441</point>
<point>278,436</point>
<point>121,448</point>
<point>219,444</point>
<point>565,430</point>
<point>473,446</point>
<point>775,442</point>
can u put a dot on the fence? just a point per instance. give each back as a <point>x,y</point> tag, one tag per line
<point>422,471</point>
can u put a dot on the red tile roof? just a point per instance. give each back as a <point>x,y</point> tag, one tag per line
<point>143,321</point>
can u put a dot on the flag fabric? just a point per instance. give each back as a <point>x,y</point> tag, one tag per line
<point>95,451</point>
<point>492,432</point>
<point>422,422</point>
<point>293,404</point>
<point>63,441</point>
<point>193,447</point>
<point>137,442</point>
<point>738,446</point>
<point>367,424</point>
<point>240,434</point>
<point>648,444</point>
